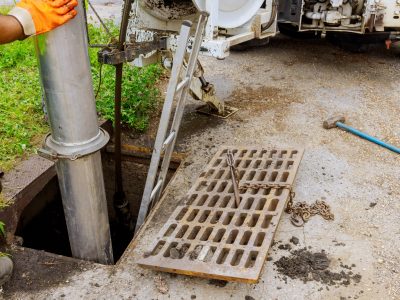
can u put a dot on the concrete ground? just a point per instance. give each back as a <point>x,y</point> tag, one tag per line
<point>106,9</point>
<point>284,91</point>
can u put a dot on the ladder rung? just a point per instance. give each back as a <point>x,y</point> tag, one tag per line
<point>177,87</point>
<point>182,84</point>
<point>168,140</point>
<point>155,190</point>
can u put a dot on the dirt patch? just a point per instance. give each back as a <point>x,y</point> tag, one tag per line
<point>263,97</point>
<point>217,282</point>
<point>194,123</point>
<point>37,270</point>
<point>289,63</point>
<point>161,285</point>
<point>178,252</point>
<point>195,253</point>
<point>307,266</point>
<point>257,101</point>
<point>285,247</point>
<point>294,240</point>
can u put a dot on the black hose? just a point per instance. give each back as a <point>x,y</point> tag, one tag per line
<point>273,17</point>
<point>120,202</point>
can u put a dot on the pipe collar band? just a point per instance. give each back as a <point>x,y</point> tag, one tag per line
<point>54,151</point>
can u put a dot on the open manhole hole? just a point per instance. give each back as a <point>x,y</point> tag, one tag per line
<point>42,224</point>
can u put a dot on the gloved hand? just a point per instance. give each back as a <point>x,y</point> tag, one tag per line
<point>39,16</point>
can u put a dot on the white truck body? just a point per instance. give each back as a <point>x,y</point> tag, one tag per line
<point>359,16</point>
<point>233,22</point>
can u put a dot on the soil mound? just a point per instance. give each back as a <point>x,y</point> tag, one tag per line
<point>308,266</point>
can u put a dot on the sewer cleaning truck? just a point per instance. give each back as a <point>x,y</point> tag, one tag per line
<point>152,29</point>
<point>351,23</point>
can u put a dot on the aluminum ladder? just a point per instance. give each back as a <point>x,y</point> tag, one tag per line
<point>176,89</point>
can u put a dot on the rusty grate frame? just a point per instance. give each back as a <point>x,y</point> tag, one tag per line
<point>209,236</point>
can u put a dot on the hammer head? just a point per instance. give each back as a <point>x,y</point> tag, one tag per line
<point>331,122</point>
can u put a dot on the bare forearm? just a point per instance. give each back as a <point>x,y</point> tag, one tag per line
<point>10,29</point>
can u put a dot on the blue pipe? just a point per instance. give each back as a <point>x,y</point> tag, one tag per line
<point>368,137</point>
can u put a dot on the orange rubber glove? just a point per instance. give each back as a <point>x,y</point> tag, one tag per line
<point>39,16</point>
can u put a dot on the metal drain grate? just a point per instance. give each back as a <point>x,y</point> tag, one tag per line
<point>208,236</point>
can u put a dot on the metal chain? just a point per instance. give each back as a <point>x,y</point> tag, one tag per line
<point>300,212</point>
<point>257,186</point>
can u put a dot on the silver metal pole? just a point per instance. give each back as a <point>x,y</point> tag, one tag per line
<point>75,138</point>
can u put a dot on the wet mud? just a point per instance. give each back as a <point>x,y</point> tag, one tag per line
<point>307,266</point>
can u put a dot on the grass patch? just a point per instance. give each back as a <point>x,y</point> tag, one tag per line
<point>140,94</point>
<point>21,119</point>
<point>22,124</point>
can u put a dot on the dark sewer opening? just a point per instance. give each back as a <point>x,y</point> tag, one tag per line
<point>42,224</point>
<point>48,231</point>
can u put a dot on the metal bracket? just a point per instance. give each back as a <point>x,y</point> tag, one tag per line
<point>113,56</point>
<point>53,155</point>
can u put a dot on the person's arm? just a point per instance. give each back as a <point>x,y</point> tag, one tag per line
<point>10,29</point>
<point>31,17</point>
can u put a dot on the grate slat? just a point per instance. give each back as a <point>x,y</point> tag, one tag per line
<point>209,236</point>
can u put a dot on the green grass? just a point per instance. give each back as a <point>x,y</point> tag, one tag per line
<point>140,94</point>
<point>21,118</point>
<point>22,124</point>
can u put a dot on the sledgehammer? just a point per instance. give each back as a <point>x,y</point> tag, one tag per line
<point>339,122</point>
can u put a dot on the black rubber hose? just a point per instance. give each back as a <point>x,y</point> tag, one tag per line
<point>273,16</point>
<point>120,202</point>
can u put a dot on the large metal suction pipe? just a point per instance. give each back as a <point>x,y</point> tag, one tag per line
<point>75,138</point>
<point>225,13</point>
